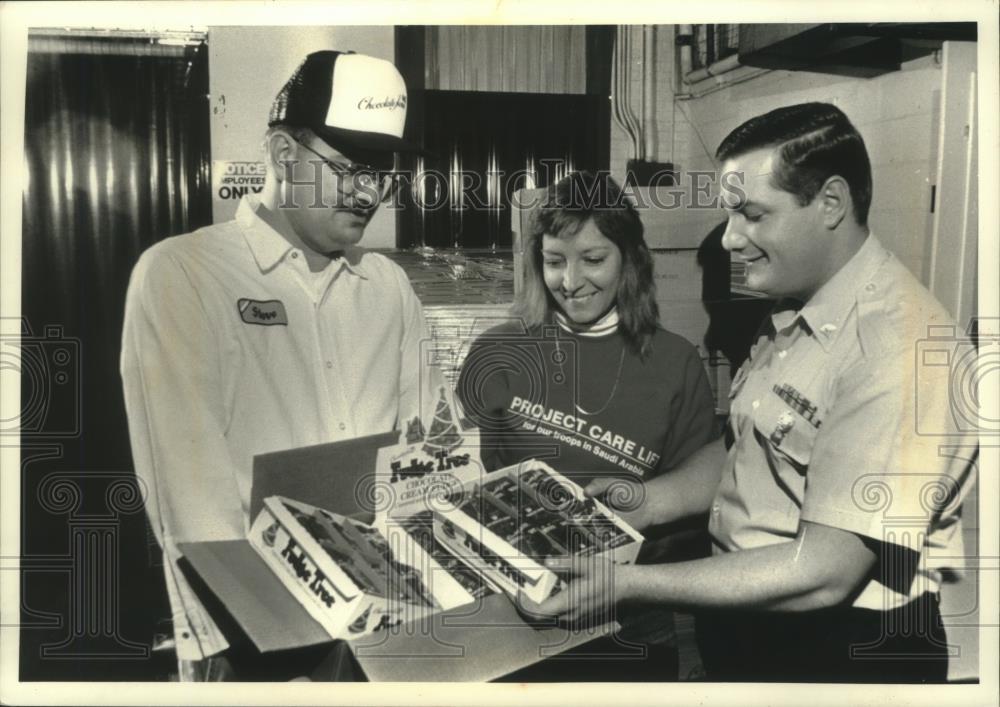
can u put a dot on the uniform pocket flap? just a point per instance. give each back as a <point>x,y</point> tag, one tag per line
<point>786,431</point>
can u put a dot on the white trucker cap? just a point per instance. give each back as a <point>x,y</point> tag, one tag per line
<point>351,101</point>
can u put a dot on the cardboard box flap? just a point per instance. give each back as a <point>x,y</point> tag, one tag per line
<point>468,644</point>
<point>471,643</point>
<point>331,476</point>
<point>253,595</point>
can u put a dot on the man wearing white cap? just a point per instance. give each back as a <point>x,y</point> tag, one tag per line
<point>273,330</point>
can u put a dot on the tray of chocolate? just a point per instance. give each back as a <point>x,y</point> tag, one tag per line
<point>420,527</point>
<point>351,577</point>
<point>506,525</point>
<point>363,555</point>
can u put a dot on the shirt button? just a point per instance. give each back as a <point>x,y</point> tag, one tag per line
<point>329,364</point>
<point>343,426</point>
<point>782,353</point>
<point>755,404</point>
<point>715,508</point>
<point>295,253</point>
<point>870,287</point>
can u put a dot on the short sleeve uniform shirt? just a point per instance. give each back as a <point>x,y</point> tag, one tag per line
<point>840,417</point>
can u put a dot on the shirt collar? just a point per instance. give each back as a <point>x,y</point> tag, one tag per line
<point>826,310</point>
<point>353,261</point>
<point>608,324</point>
<point>269,247</point>
<point>266,244</point>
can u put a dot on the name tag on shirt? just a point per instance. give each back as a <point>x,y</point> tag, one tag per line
<point>265,313</point>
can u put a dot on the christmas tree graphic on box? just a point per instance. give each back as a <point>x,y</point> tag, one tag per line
<point>443,434</point>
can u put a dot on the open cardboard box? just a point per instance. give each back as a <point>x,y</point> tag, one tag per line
<point>477,642</point>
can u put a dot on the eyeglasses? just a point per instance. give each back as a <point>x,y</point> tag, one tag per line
<point>361,176</point>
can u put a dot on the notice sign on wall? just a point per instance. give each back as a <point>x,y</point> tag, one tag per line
<point>234,180</point>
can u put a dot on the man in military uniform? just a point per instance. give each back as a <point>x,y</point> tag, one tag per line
<point>832,510</point>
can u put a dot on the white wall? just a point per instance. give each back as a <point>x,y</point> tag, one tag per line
<point>896,113</point>
<point>247,67</point>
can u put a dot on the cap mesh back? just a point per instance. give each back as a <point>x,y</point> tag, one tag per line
<point>281,107</point>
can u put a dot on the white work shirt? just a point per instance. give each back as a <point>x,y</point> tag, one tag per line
<point>232,348</point>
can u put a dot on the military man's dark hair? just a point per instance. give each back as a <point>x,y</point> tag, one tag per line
<point>815,141</point>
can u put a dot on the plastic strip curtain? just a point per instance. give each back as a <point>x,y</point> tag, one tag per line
<point>116,158</point>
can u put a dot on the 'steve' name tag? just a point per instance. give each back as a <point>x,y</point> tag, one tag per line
<point>266,313</point>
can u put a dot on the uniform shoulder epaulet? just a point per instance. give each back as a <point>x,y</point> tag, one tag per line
<point>875,333</point>
<point>894,311</point>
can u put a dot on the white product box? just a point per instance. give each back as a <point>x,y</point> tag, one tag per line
<point>507,523</point>
<point>351,577</point>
